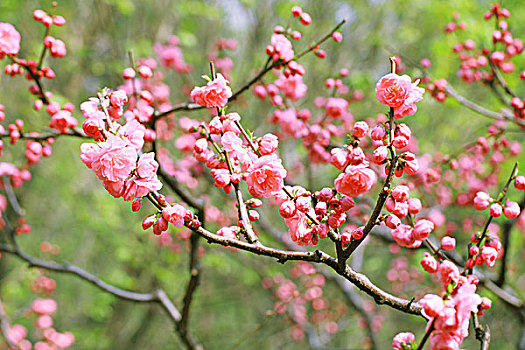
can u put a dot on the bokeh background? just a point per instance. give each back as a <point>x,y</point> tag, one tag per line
<point>67,206</point>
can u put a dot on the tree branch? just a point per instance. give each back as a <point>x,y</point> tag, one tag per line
<point>359,280</point>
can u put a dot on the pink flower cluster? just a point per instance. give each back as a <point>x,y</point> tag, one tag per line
<point>400,205</point>
<point>115,163</point>
<point>412,237</point>
<point>483,200</point>
<point>280,48</point>
<point>451,316</point>
<point>9,40</point>
<point>292,86</point>
<point>399,93</point>
<point>61,119</point>
<point>170,55</point>
<point>215,94</point>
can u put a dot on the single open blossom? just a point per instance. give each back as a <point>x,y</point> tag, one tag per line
<point>399,93</point>
<point>268,144</point>
<point>356,179</point>
<point>9,40</point>
<point>215,94</point>
<point>144,179</point>
<point>265,176</point>
<point>112,160</point>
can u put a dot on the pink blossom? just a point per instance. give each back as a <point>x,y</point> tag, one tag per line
<point>9,40</point>
<point>171,56</point>
<point>231,142</point>
<point>429,263</point>
<point>44,306</point>
<point>339,158</point>
<point>133,132</point>
<point>512,209</point>
<point>356,179</point>
<point>287,209</point>
<point>414,205</point>
<point>290,123</point>
<point>265,176</point>
<point>112,160</point>
<point>496,210</point>
<point>268,144</point>
<point>174,214</point>
<point>282,47</point>
<point>360,129</point>
<point>44,321</point>
<point>393,90</point>
<point>432,305</point>
<point>118,98</point>
<point>404,237</point>
<point>448,271</point>
<point>378,133</point>
<point>336,107</point>
<point>228,232</point>
<point>215,94</point>
<point>422,229</point>
<point>380,154</point>
<point>448,243</point>
<point>481,201</point>
<point>400,193</point>
<point>392,221</point>
<point>298,230</point>
<point>292,86</point>
<point>62,120</point>
<point>489,255</point>
<point>144,179</point>
<point>16,333</point>
<point>519,182</point>
<point>402,339</point>
<point>399,93</point>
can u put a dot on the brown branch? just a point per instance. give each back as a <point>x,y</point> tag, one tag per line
<point>500,79</point>
<point>193,283</point>
<point>361,281</point>
<point>76,132</point>
<point>503,115</point>
<point>344,285</point>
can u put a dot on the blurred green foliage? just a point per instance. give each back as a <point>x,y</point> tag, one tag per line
<point>67,206</point>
